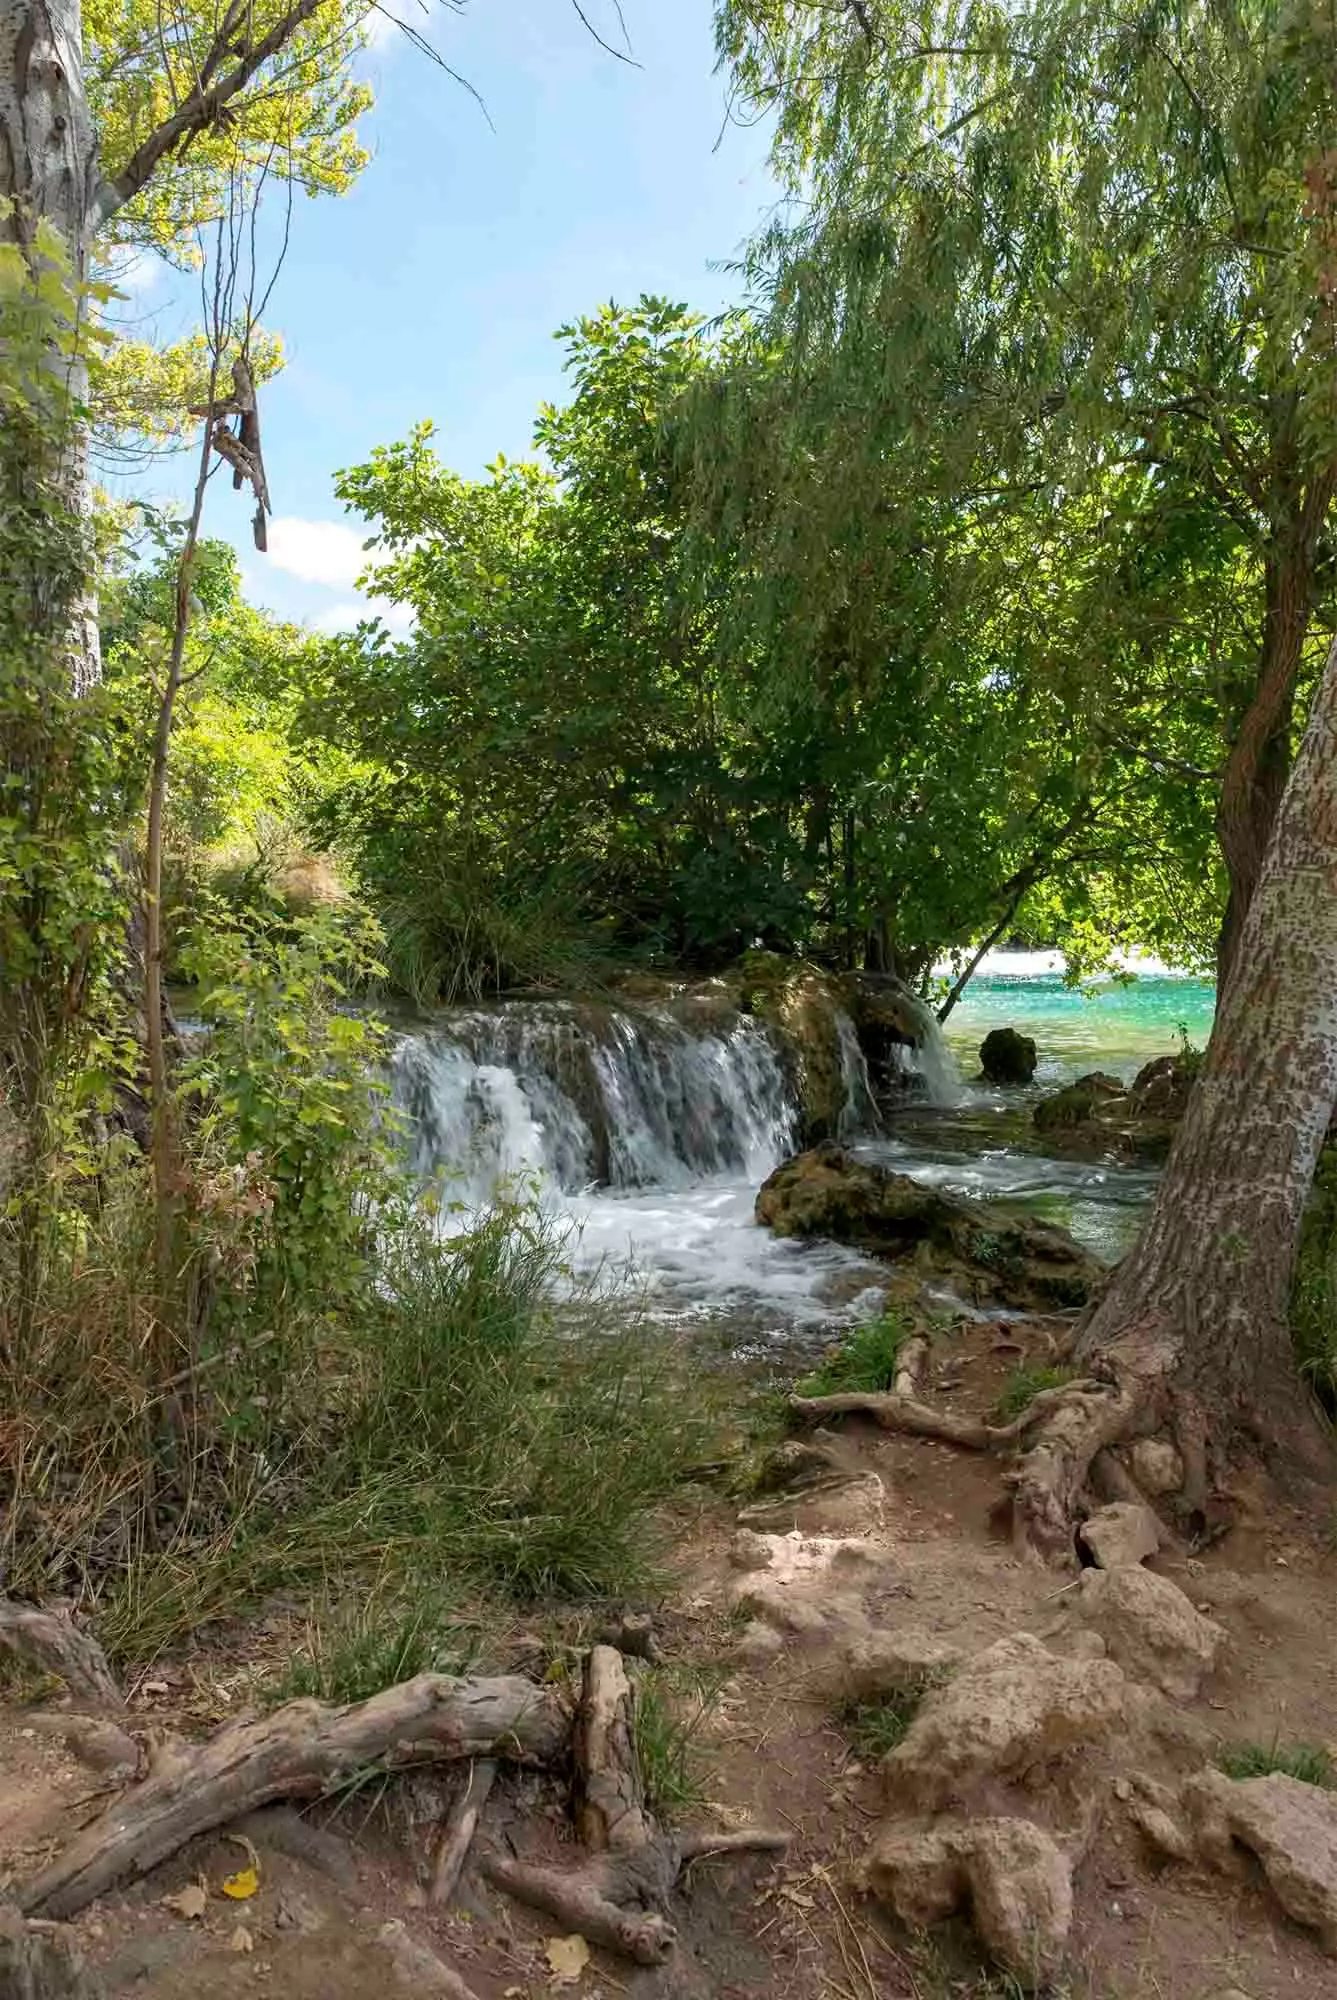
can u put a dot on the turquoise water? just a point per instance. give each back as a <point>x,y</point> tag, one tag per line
<point>1108,1026</point>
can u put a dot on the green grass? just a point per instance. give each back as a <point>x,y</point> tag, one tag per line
<point>882,1723</point>
<point>1305,1761</point>
<point>866,1363</point>
<point>668,1719</point>
<point>356,1650</point>
<point>1024,1384</point>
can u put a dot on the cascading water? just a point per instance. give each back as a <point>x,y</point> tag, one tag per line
<point>649,1132</point>
<point>576,1097</point>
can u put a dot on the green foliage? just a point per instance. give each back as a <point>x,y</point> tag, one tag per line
<point>1313,1309</point>
<point>881,1724</point>
<point>1305,1761</point>
<point>1025,1383</point>
<point>287,1077</point>
<point>865,1363</point>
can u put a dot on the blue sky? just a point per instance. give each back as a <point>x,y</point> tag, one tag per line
<point>433,290</point>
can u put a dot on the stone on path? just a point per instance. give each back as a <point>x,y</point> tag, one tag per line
<point>1015,1879</point>
<point>1150,1628</point>
<point>1121,1535</point>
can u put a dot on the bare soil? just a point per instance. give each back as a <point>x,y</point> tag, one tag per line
<point>938,1561</point>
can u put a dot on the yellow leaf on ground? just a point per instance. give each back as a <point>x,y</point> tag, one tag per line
<point>567,1957</point>
<point>190,1902</point>
<point>241,1886</point>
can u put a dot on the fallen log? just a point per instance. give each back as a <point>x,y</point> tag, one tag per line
<point>304,1750</point>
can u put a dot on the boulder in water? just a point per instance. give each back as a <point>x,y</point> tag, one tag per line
<point>1007,1056</point>
<point>1098,1115</point>
<point>982,1249</point>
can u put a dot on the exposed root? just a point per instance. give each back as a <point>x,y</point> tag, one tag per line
<point>1082,1420</point>
<point>619,1898</point>
<point>53,1643</point>
<point>896,1412</point>
<point>301,1751</point>
<point>584,1900</point>
<point>458,1834</point>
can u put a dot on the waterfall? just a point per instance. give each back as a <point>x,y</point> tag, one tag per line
<point>932,1061</point>
<point>572,1097</point>
<point>859,1113</point>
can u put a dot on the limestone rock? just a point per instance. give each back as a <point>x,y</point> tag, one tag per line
<point>749,1551</point>
<point>841,1506</point>
<point>1007,1712</point>
<point>1292,1829</point>
<point>1157,1466</point>
<point>1150,1628</point>
<point>1121,1536</point>
<point>982,1248</point>
<point>757,1645</point>
<point>1016,1880</point>
<point>1007,1056</point>
<point>889,1662</point>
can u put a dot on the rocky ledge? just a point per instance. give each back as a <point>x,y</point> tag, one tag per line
<point>983,1250</point>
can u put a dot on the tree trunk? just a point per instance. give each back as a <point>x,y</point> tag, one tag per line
<point>1193,1331</point>
<point>1254,779</point>
<point>49,174</point>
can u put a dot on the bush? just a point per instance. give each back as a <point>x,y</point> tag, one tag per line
<point>1305,1761</point>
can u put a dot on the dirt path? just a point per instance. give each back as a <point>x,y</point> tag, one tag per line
<point>785,1618</point>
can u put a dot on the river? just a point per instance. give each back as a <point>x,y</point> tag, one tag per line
<point>648,1135</point>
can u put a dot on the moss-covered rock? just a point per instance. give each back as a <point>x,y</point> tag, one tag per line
<point>1098,1117</point>
<point>1007,1056</point>
<point>982,1249</point>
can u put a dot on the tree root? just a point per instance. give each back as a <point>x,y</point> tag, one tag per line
<point>53,1643</point>
<point>458,1834</point>
<point>619,1897</point>
<point>897,1412</point>
<point>301,1751</point>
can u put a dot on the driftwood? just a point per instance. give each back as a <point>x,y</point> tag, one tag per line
<point>301,1751</point>
<point>53,1643</point>
<point>619,1898</point>
<point>458,1834</point>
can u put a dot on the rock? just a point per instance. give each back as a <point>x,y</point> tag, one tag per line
<point>1007,1056</point>
<point>1156,1466</point>
<point>888,1019</point>
<point>1289,1826</point>
<point>890,1662</point>
<point>1161,1087</point>
<point>757,1645</point>
<point>1015,1878</point>
<point>750,1552</point>
<point>1006,1713</point>
<point>1150,1628</point>
<point>1121,1535</point>
<point>1162,1829</point>
<point>1076,1104</point>
<point>42,1964</point>
<point>983,1248</point>
<point>850,1506</point>
<point>803,1007</point>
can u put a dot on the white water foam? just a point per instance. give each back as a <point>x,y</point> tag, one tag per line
<point>650,1137</point>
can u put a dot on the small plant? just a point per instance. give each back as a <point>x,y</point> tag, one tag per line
<point>667,1727</point>
<point>390,1637</point>
<point>1025,1383</point>
<point>881,1723</point>
<point>1305,1761</point>
<point>866,1363</point>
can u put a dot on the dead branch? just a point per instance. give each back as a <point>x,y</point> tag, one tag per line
<point>610,1806</point>
<point>53,1643</point>
<point>578,1900</point>
<point>302,1751</point>
<point>458,1834</point>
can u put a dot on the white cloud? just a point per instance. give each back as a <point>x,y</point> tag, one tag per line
<point>379,26</point>
<point>136,273</point>
<point>327,552</point>
<point>396,618</point>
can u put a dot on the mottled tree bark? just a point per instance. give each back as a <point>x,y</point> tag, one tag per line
<point>1192,1333</point>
